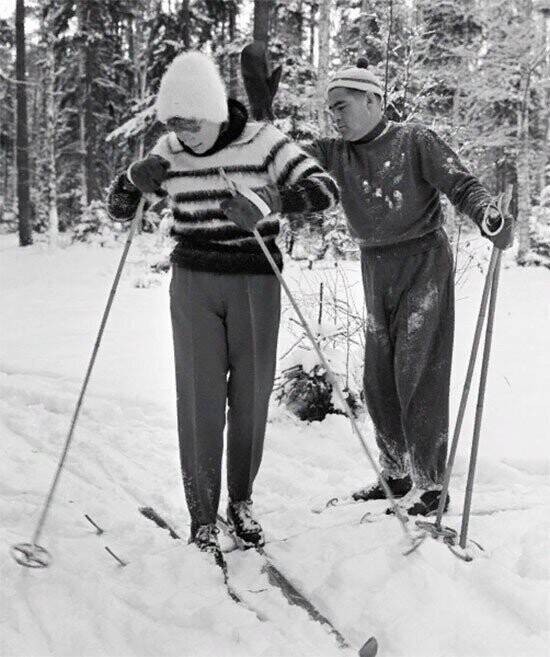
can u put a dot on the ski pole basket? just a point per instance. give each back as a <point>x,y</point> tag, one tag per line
<point>31,555</point>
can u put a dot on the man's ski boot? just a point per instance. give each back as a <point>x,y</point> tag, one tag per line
<point>421,502</point>
<point>246,531</point>
<point>205,537</point>
<point>398,487</point>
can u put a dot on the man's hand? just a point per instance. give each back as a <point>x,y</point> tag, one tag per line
<point>149,174</point>
<point>247,207</point>
<point>499,228</point>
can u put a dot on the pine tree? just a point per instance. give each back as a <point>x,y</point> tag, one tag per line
<point>23,195</point>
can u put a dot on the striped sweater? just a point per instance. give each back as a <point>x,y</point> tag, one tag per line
<point>206,239</point>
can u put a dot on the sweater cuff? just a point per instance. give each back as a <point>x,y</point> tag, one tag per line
<point>492,226</point>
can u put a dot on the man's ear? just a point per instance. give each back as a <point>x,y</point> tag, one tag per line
<point>369,98</point>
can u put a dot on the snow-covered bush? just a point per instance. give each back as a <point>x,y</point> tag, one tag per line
<point>154,251</point>
<point>307,394</point>
<point>540,231</point>
<point>8,219</point>
<point>96,227</point>
<point>337,237</point>
<point>303,384</point>
<point>310,395</point>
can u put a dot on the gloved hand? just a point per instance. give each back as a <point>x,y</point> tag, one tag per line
<point>248,206</point>
<point>498,228</point>
<point>149,174</point>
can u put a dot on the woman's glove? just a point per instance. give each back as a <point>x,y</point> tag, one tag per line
<point>149,174</point>
<point>248,206</point>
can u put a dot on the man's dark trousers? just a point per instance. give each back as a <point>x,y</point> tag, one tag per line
<point>409,293</point>
<point>225,329</point>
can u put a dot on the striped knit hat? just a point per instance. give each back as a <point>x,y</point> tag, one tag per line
<point>357,77</point>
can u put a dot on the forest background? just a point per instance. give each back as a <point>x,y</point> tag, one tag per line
<point>78,80</point>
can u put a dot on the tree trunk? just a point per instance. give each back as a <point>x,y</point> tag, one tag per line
<point>51,121</point>
<point>186,35</point>
<point>84,193</point>
<point>323,66</point>
<point>523,231</point>
<point>22,137</point>
<point>363,25</point>
<point>523,174</point>
<point>262,16</point>
<point>87,135</point>
<point>545,160</point>
<point>452,214</point>
<point>233,57</point>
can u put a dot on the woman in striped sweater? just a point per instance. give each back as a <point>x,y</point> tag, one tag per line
<point>225,300</point>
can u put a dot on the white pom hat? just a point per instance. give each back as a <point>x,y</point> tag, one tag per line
<point>192,88</point>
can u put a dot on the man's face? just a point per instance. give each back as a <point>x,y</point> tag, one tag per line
<point>354,113</point>
<point>197,134</point>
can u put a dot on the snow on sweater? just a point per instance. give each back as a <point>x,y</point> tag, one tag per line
<point>207,239</point>
<point>391,180</point>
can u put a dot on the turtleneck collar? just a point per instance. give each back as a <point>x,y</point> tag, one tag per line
<point>238,116</point>
<point>372,134</point>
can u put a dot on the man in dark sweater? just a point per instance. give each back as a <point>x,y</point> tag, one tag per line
<point>391,177</point>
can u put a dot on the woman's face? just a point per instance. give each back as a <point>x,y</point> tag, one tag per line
<point>197,134</point>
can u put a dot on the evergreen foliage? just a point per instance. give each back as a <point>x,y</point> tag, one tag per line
<point>477,71</point>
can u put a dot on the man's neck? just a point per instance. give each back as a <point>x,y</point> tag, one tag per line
<point>374,132</point>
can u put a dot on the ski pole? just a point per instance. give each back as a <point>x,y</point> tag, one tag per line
<point>503,204</point>
<point>480,401</point>
<point>28,550</point>
<point>467,384</point>
<point>332,378</point>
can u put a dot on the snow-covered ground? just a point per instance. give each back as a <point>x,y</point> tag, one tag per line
<point>169,600</point>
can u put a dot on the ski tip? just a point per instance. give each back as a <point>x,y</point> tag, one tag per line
<point>369,648</point>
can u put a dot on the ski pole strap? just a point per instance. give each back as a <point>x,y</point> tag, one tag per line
<point>248,193</point>
<point>492,226</point>
<point>251,195</point>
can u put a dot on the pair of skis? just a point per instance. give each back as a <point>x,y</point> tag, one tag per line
<point>276,579</point>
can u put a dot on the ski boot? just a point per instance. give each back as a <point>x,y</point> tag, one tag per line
<point>398,487</point>
<point>246,531</point>
<point>419,502</point>
<point>205,537</point>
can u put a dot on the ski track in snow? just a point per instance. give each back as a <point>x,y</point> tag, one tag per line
<point>170,600</point>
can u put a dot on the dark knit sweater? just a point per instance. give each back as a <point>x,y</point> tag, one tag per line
<point>258,155</point>
<point>391,179</point>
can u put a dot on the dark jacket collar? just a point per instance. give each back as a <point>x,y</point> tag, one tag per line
<point>372,134</point>
<point>238,116</point>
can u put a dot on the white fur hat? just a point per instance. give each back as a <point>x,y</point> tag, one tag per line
<point>192,88</point>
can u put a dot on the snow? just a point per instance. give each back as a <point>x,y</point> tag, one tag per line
<point>169,600</point>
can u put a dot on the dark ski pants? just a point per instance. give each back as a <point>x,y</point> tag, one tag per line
<point>225,329</point>
<point>409,293</point>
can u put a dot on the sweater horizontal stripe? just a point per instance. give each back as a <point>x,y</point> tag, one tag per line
<point>207,239</point>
